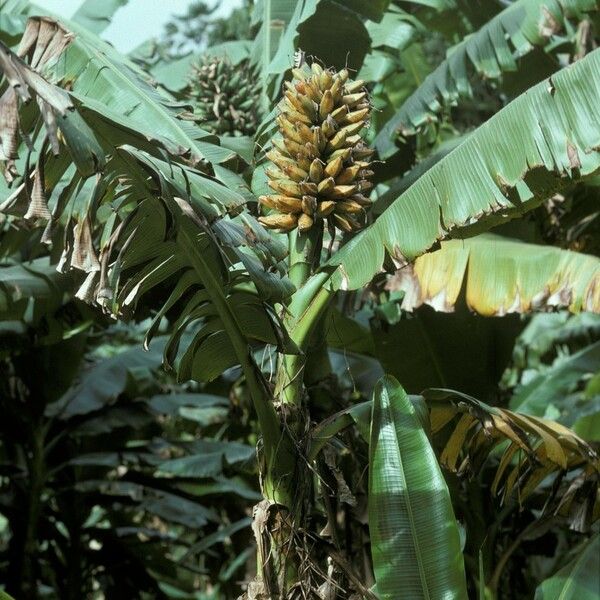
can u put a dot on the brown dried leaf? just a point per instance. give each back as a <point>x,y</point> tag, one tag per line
<point>84,255</point>
<point>9,124</point>
<point>38,203</point>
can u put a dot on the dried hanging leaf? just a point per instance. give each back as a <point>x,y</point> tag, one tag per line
<point>536,449</point>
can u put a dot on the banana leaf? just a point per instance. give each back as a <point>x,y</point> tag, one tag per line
<point>501,276</point>
<point>508,166</point>
<point>415,542</point>
<point>580,579</point>
<point>496,48</point>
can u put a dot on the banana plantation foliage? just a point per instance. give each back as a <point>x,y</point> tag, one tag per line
<point>302,302</point>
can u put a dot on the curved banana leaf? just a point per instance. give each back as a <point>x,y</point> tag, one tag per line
<point>536,449</point>
<point>415,541</point>
<point>579,580</point>
<point>506,167</point>
<point>107,82</point>
<point>494,49</point>
<point>501,276</point>
<point>146,223</point>
<point>533,449</point>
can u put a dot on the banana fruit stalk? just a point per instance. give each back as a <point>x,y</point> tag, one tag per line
<point>226,97</point>
<point>321,165</point>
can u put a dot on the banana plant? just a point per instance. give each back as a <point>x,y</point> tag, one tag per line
<point>102,492</point>
<point>153,214</point>
<point>496,48</point>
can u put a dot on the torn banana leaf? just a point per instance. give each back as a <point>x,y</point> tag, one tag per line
<point>496,48</point>
<point>514,161</point>
<point>501,276</point>
<point>145,224</point>
<point>536,449</point>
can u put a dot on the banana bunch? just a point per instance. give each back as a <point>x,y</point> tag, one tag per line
<point>320,164</point>
<point>226,97</point>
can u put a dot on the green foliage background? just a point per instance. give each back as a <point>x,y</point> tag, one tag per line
<point>132,452</point>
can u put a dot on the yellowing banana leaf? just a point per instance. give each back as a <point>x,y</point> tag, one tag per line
<point>500,276</point>
<point>494,49</point>
<point>415,541</point>
<point>536,448</point>
<point>521,156</point>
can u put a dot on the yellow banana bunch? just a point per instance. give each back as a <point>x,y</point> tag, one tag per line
<point>321,163</point>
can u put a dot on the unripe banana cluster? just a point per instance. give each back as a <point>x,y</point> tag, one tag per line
<point>320,163</point>
<point>226,97</point>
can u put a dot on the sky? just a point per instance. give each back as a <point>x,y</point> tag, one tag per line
<point>138,20</point>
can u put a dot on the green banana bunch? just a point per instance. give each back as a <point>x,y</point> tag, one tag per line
<point>226,97</point>
<point>320,163</point>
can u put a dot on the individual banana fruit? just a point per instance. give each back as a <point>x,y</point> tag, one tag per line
<point>226,97</point>
<point>321,163</point>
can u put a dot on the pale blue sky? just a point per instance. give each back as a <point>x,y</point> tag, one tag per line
<point>138,20</point>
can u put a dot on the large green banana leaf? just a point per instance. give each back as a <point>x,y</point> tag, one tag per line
<point>103,80</point>
<point>579,580</point>
<point>495,48</point>
<point>501,276</point>
<point>508,166</point>
<point>147,223</point>
<point>415,541</point>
